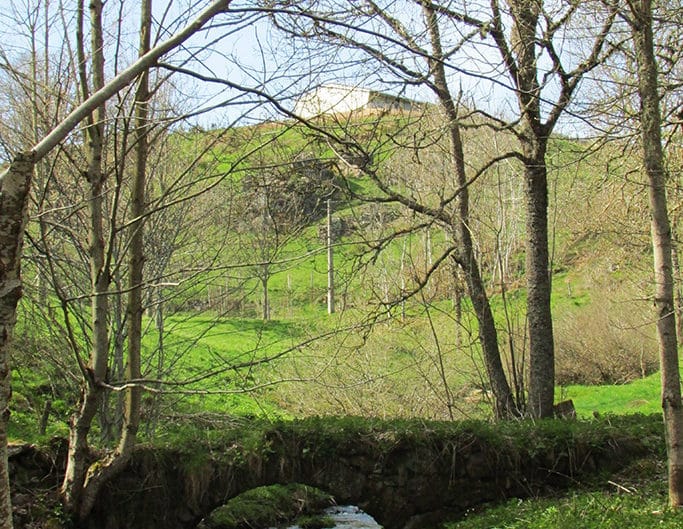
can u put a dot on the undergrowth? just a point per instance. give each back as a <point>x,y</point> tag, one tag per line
<point>634,499</point>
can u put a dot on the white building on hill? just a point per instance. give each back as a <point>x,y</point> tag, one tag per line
<point>342,99</point>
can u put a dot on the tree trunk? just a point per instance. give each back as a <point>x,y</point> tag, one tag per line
<point>541,342</point>
<point>504,402</point>
<point>678,293</point>
<point>265,276</point>
<point>330,260</point>
<point>653,162</point>
<point>136,250</point>
<point>534,137</point>
<point>96,372</point>
<point>97,475</point>
<point>457,305</point>
<point>14,188</point>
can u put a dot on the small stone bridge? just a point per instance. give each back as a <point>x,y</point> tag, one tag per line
<point>405,474</point>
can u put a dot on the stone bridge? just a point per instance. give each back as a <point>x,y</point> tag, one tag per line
<point>405,474</point>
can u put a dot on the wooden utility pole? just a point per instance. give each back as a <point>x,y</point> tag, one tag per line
<point>330,261</point>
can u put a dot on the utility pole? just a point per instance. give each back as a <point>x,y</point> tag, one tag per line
<point>330,261</point>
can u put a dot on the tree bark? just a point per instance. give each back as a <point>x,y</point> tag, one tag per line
<point>136,249</point>
<point>330,260</point>
<point>77,463</point>
<point>653,162</point>
<point>14,190</point>
<point>678,293</point>
<point>504,402</point>
<point>265,276</point>
<point>541,341</point>
<point>522,65</point>
<point>104,470</point>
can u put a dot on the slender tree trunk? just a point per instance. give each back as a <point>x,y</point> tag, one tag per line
<point>136,249</point>
<point>96,372</point>
<point>457,305</point>
<point>653,159</point>
<point>265,293</point>
<point>678,293</point>
<point>161,361</point>
<point>330,260</point>
<point>114,463</point>
<point>504,401</point>
<point>14,190</point>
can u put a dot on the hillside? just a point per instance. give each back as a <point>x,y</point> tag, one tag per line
<point>240,326</point>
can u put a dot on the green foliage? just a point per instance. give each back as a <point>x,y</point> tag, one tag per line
<point>411,364</point>
<point>329,436</point>
<point>636,498</point>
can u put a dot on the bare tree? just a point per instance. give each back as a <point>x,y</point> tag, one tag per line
<point>432,74</point>
<point>532,67</point>
<point>82,483</point>
<point>280,198</point>
<point>535,28</point>
<point>504,400</point>
<point>95,371</point>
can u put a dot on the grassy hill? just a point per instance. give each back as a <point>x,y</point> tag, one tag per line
<point>208,346</point>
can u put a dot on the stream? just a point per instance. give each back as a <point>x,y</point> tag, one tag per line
<point>349,517</point>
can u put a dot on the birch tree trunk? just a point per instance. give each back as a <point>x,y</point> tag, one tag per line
<point>14,189</point>
<point>653,163</point>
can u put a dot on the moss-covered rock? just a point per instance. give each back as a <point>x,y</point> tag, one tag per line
<point>267,506</point>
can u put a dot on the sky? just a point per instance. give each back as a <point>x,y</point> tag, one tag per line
<point>246,50</point>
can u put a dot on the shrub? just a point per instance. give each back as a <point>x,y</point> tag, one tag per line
<point>605,343</point>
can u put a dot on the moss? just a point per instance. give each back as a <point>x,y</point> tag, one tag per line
<point>319,438</point>
<point>267,506</point>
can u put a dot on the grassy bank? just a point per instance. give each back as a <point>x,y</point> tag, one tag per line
<point>634,499</point>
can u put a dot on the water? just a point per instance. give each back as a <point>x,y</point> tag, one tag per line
<point>349,517</point>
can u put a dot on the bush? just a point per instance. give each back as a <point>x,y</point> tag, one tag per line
<point>605,343</point>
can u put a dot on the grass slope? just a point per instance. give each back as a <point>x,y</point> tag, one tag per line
<point>640,396</point>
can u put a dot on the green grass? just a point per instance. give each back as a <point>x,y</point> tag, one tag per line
<point>639,396</point>
<point>196,344</point>
<point>224,348</point>
<point>640,509</point>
